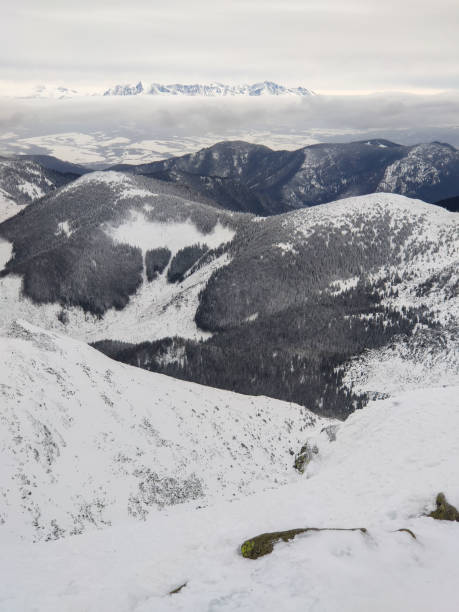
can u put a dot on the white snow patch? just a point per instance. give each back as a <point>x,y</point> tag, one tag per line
<point>64,228</point>
<point>140,232</point>
<point>31,190</point>
<point>342,213</point>
<point>286,247</point>
<point>340,286</point>
<point>429,358</point>
<point>8,207</point>
<point>112,178</point>
<point>6,252</point>
<point>158,309</point>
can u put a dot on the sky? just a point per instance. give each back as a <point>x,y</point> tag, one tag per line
<point>386,69</point>
<point>331,46</point>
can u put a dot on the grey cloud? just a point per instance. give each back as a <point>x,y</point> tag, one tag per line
<point>152,117</point>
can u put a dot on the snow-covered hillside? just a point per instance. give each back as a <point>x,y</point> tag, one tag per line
<point>424,167</point>
<point>47,92</point>
<point>382,473</point>
<point>429,247</point>
<point>378,274</point>
<point>141,214</point>
<point>8,207</point>
<point>23,181</point>
<point>86,442</point>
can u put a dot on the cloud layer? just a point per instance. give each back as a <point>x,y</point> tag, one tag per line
<point>284,122</point>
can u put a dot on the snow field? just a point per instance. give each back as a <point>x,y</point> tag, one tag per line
<point>382,473</point>
<point>86,442</point>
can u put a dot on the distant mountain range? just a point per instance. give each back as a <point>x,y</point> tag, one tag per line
<point>264,88</point>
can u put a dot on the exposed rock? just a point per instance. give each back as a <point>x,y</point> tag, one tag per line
<point>304,457</point>
<point>178,589</point>
<point>444,510</point>
<point>264,544</point>
<point>331,430</point>
<point>404,530</point>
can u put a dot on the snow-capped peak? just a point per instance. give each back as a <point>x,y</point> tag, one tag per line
<point>208,90</point>
<point>125,90</point>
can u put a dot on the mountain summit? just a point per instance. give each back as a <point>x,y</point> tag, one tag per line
<point>265,88</point>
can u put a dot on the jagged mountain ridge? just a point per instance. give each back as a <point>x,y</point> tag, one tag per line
<point>264,88</point>
<point>253,178</point>
<point>277,306</point>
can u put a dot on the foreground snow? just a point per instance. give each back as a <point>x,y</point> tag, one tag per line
<point>86,442</point>
<point>382,472</point>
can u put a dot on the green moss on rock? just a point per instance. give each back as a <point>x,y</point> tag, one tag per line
<point>404,530</point>
<point>305,456</point>
<point>264,544</point>
<point>178,589</point>
<point>444,511</point>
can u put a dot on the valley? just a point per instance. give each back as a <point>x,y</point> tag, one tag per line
<point>237,341</point>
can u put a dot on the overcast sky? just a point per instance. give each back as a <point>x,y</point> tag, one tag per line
<point>325,45</point>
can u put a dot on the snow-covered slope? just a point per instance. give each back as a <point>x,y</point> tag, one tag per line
<point>377,274</point>
<point>423,169</point>
<point>128,213</point>
<point>265,88</point>
<point>383,472</point>
<point>54,92</point>
<point>21,182</point>
<point>8,207</point>
<point>53,163</point>
<point>86,442</point>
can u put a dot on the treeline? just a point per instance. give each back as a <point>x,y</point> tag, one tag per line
<point>184,260</point>
<point>297,355</point>
<point>92,272</point>
<point>156,261</point>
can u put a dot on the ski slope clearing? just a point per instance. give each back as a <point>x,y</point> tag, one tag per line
<point>383,472</point>
<point>86,442</point>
